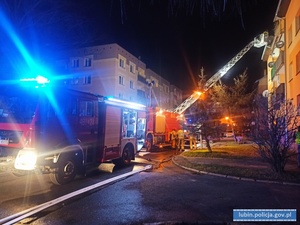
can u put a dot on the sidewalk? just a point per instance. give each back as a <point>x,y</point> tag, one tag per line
<point>182,161</point>
<point>221,161</point>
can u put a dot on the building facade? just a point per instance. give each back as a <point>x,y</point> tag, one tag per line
<point>110,70</point>
<point>283,55</point>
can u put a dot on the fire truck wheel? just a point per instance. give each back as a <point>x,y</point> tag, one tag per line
<point>66,171</point>
<point>149,144</point>
<point>126,157</point>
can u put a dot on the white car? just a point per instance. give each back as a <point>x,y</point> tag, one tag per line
<point>229,134</point>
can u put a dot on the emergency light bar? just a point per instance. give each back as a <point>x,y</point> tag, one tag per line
<point>119,102</point>
<point>39,80</point>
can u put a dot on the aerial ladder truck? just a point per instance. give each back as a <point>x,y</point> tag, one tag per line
<point>161,125</point>
<point>259,41</point>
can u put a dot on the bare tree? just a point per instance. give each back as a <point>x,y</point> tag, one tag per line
<point>275,126</point>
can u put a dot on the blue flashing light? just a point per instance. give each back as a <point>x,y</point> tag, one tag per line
<point>42,80</point>
<point>39,81</point>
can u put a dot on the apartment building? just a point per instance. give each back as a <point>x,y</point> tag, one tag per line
<point>110,70</point>
<point>283,56</point>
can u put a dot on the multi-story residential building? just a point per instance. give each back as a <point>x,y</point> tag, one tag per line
<point>292,25</point>
<point>284,54</point>
<point>110,70</point>
<point>160,90</point>
<point>175,96</point>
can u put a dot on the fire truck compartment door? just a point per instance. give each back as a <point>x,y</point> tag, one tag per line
<point>112,127</point>
<point>160,124</point>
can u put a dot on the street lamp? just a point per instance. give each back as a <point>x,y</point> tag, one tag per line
<point>230,122</point>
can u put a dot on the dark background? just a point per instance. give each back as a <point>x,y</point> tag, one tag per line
<point>174,38</point>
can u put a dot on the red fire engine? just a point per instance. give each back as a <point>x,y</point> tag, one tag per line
<point>65,132</point>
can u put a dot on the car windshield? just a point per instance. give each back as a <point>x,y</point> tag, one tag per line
<point>17,105</point>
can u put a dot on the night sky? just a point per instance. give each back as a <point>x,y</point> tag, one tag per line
<point>174,38</point>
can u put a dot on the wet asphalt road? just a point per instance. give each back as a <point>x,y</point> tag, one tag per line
<point>168,193</point>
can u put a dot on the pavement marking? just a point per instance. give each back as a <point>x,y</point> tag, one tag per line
<point>31,211</point>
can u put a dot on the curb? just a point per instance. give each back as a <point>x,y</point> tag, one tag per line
<point>232,177</point>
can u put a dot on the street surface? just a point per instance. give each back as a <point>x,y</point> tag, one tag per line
<point>168,193</point>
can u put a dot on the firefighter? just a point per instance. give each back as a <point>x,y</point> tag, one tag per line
<point>180,136</point>
<point>193,138</point>
<point>173,137</point>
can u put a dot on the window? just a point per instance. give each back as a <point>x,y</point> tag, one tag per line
<point>131,84</point>
<point>129,123</point>
<point>297,23</point>
<point>86,108</point>
<point>298,63</point>
<point>166,89</point>
<point>121,80</point>
<point>75,63</point>
<point>290,71</point>
<point>132,67</point>
<point>290,37</point>
<point>161,88</point>
<point>298,105</point>
<point>122,61</point>
<point>87,62</point>
<point>87,80</point>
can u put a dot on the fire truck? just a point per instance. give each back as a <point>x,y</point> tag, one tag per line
<point>161,123</point>
<point>64,132</point>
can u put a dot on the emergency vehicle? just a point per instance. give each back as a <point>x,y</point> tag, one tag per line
<point>65,132</point>
<point>161,123</point>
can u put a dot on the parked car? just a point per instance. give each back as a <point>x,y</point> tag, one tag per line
<point>229,133</point>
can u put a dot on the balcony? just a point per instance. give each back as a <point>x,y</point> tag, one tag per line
<point>142,79</point>
<point>278,65</point>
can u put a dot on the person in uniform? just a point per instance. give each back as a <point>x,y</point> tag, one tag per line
<point>180,136</point>
<point>173,137</point>
<point>193,138</point>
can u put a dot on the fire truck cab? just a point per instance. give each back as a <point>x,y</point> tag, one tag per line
<point>65,132</point>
